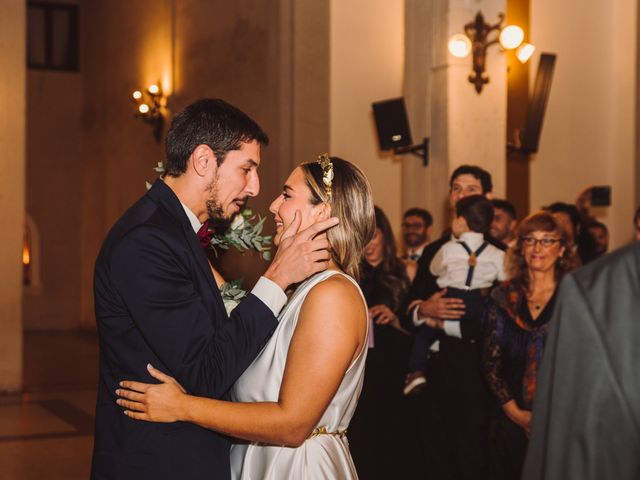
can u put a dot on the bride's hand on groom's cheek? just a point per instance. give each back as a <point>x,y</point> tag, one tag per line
<point>301,253</point>
<point>152,402</point>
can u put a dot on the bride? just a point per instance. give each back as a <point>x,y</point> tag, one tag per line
<point>294,403</point>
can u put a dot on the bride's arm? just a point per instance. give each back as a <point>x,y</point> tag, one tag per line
<point>329,334</point>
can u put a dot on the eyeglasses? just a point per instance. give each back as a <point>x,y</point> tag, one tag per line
<point>544,242</point>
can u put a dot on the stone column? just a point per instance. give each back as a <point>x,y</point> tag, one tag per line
<point>12,189</point>
<point>464,127</point>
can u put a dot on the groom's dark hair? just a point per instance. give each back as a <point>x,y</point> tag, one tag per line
<point>212,122</point>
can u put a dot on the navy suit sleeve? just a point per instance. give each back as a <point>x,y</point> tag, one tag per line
<point>424,284</point>
<point>154,277</point>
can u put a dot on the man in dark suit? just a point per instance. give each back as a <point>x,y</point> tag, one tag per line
<point>453,407</point>
<point>156,300</point>
<point>586,411</point>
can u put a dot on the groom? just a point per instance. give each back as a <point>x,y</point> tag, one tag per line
<point>156,300</point>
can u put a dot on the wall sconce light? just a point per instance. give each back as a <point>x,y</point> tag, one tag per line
<point>26,258</point>
<point>476,39</point>
<point>150,106</point>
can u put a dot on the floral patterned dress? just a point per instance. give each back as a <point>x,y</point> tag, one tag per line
<point>513,348</point>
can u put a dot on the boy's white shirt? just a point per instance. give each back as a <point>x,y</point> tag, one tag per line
<point>451,265</point>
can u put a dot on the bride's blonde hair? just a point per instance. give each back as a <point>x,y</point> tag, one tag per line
<point>349,196</point>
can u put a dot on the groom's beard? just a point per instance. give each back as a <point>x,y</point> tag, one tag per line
<point>215,211</point>
<point>214,208</point>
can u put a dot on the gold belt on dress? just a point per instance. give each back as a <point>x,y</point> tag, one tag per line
<point>323,431</point>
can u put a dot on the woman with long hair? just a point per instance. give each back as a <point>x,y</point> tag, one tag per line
<point>394,453</point>
<point>518,321</point>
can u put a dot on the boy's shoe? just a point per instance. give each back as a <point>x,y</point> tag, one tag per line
<point>414,383</point>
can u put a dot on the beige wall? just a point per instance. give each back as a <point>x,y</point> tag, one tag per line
<point>367,53</point>
<point>54,192</point>
<point>126,46</point>
<point>477,122</point>
<point>12,189</point>
<point>589,133</point>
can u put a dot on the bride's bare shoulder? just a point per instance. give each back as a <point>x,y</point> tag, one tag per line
<point>335,292</point>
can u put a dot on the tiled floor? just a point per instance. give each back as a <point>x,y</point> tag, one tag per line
<point>47,433</point>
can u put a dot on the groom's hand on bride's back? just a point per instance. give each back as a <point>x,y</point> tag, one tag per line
<point>301,253</point>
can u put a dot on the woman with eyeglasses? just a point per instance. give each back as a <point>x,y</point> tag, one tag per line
<point>518,320</point>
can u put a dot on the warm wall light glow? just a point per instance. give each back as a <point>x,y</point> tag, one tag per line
<point>525,51</point>
<point>26,255</point>
<point>137,95</point>
<point>153,89</point>
<point>143,108</point>
<point>459,45</point>
<point>511,37</point>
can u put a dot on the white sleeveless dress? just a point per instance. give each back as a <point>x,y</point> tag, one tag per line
<point>323,456</point>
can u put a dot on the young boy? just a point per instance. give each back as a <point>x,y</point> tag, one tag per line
<point>466,266</point>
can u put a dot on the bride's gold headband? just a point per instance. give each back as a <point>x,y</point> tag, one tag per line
<point>327,172</point>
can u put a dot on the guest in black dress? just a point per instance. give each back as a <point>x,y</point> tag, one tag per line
<point>383,435</point>
<point>518,320</point>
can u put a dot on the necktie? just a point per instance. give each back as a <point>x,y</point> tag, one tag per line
<point>205,235</point>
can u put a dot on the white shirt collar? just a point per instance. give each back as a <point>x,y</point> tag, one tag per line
<point>473,239</point>
<point>195,223</point>
<point>416,251</point>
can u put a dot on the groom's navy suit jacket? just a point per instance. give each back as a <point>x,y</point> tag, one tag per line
<point>156,302</point>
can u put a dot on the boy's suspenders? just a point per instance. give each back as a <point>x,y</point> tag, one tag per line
<point>473,257</point>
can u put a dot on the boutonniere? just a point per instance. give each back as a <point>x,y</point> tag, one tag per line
<point>244,234</point>
<point>232,294</point>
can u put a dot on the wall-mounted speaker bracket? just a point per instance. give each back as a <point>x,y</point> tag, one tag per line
<point>420,150</point>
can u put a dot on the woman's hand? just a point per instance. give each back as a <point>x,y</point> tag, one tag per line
<point>383,315</point>
<point>161,402</point>
<point>520,417</point>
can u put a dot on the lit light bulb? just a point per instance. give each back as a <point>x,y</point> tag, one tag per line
<point>525,51</point>
<point>26,256</point>
<point>144,108</point>
<point>153,89</point>
<point>511,37</point>
<point>137,95</point>
<point>459,45</point>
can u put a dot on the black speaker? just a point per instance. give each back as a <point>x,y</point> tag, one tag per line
<point>538,103</point>
<point>392,124</point>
